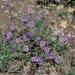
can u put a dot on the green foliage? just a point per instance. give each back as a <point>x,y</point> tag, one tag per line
<point>70,73</point>
<point>52,39</point>
<point>63,13</point>
<point>42,29</point>
<point>57,46</point>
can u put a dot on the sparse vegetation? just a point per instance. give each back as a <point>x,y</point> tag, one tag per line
<point>29,42</point>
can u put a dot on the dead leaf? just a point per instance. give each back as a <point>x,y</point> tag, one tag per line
<point>70,9</point>
<point>63,24</point>
<point>60,7</point>
<point>26,69</point>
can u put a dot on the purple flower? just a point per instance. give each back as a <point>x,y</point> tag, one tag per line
<point>57,60</point>
<point>25,19</point>
<point>31,24</point>
<point>36,59</point>
<point>54,56</point>
<point>65,39</point>
<point>25,48</point>
<point>46,49</point>
<point>9,35</point>
<point>50,55</point>
<point>28,36</point>
<point>42,44</point>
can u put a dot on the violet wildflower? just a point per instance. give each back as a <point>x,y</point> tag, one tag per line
<point>28,36</point>
<point>25,19</point>
<point>25,48</point>
<point>65,39</point>
<point>57,60</point>
<point>9,35</point>
<point>53,56</point>
<point>46,49</point>
<point>50,55</point>
<point>36,59</point>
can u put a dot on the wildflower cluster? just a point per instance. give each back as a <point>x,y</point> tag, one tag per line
<point>32,41</point>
